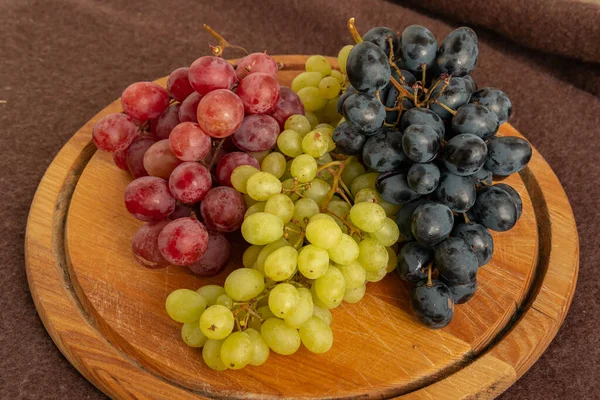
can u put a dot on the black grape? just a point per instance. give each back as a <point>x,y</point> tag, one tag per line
<point>479,238</point>
<point>515,196</point>
<point>463,293</point>
<point>420,143</point>
<point>457,192</point>
<point>475,119</point>
<point>456,261</point>
<point>432,305</point>
<point>393,188</point>
<point>404,218</point>
<point>383,152</point>
<point>457,93</point>
<point>413,260</point>
<point>364,111</point>
<point>418,47</point>
<point>348,139</point>
<point>482,177</point>
<point>432,223</point>
<point>458,53</point>
<point>422,116</point>
<point>494,208</point>
<point>368,67</point>
<point>380,36</point>
<point>469,80</point>
<point>423,178</point>
<point>341,100</point>
<point>507,155</point>
<point>465,154</point>
<point>391,101</point>
<point>496,100</point>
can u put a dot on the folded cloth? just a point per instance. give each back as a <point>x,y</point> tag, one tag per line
<point>569,28</point>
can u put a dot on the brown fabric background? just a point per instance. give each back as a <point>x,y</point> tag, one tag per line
<point>61,61</point>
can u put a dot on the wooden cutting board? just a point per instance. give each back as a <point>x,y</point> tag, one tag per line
<point>106,313</point>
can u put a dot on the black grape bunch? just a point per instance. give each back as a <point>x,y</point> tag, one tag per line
<point>414,114</point>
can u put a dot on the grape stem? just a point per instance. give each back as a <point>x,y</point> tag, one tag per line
<point>329,164</point>
<point>445,107</point>
<point>223,44</point>
<point>467,220</point>
<point>429,282</point>
<point>354,31</point>
<point>214,158</point>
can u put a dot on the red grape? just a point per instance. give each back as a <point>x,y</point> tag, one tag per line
<point>135,155</point>
<point>114,132</point>
<point>120,159</point>
<point>231,161</point>
<point>145,245</point>
<point>190,182</point>
<point>178,84</point>
<point>259,92</point>
<point>220,113</point>
<point>188,142</point>
<point>210,73</point>
<point>220,153</point>
<point>215,258</point>
<point>257,133</point>
<point>144,100</point>
<point>159,160</point>
<point>256,62</point>
<point>166,122</point>
<point>184,210</point>
<point>189,108</point>
<point>148,198</point>
<point>223,209</point>
<point>289,104</point>
<point>183,241</point>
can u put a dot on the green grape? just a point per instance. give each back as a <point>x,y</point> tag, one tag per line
<point>388,234</point>
<point>236,350</point>
<point>244,283</point>
<point>363,181</point>
<point>282,206</point>
<point>318,64</point>
<point>262,185</point>
<point>298,123</point>
<point>305,208</point>
<point>240,176</point>
<point>304,167</point>
<point>329,87</point>
<point>311,98</point>
<point>312,118</point>
<point>287,187</point>
<point>329,112</point>
<point>254,323</point>
<point>283,299</point>
<point>281,264</point>
<point>338,207</point>
<point>372,255</point>
<point>324,174</point>
<point>279,337</point>
<point>318,191</point>
<point>294,233</point>
<point>262,228</point>
<point>250,255</point>
<point>376,276</point>
<point>313,261</point>
<point>306,79</point>
<point>324,233</point>
<point>303,310</point>
<point>255,208</point>
<point>368,195</point>
<point>337,75</point>
<point>217,322</point>
<point>324,128</point>
<point>315,144</point>
<point>267,250</point>
<point>287,174</point>
<point>274,163</point>
<point>354,274</point>
<point>225,301</point>
<point>345,251</point>
<point>316,335</point>
<point>343,57</point>
<point>260,155</point>
<point>368,217</point>
<point>192,335</point>
<point>323,313</point>
<point>351,171</point>
<point>290,143</point>
<point>249,200</point>
<point>355,295</point>
<point>210,293</point>
<point>392,259</point>
<point>265,312</point>
<point>320,216</point>
<point>184,305</point>
<point>211,354</point>
<point>260,349</point>
<point>390,209</point>
<point>329,288</point>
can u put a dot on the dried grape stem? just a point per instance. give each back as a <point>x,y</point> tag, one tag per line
<point>223,44</point>
<point>354,31</point>
<point>429,282</point>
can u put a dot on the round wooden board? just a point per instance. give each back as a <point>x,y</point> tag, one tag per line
<point>106,313</point>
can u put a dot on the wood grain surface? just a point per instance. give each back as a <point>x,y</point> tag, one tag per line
<point>106,313</point>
